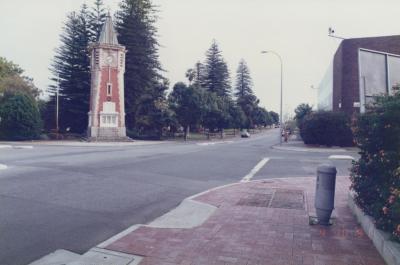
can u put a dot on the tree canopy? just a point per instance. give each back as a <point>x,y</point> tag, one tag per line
<point>19,117</point>
<point>71,72</point>
<point>12,80</point>
<point>216,76</point>
<point>144,83</point>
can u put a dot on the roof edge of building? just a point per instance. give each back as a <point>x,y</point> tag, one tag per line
<point>372,37</point>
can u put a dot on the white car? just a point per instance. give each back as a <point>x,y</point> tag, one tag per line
<point>245,134</point>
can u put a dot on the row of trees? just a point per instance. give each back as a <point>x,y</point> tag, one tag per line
<point>208,100</point>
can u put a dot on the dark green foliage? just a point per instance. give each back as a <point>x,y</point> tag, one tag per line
<point>216,115</point>
<point>238,117</point>
<point>261,117</point>
<point>245,97</point>
<point>274,117</point>
<point>8,68</point>
<point>71,70</point>
<point>376,175</point>
<point>187,103</point>
<point>97,17</point>
<point>301,112</point>
<point>19,113</point>
<point>153,113</point>
<point>208,102</point>
<point>135,25</point>
<point>12,81</point>
<point>19,117</point>
<point>243,81</point>
<point>216,77</point>
<point>327,128</point>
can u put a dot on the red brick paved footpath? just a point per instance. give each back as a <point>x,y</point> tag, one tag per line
<point>257,223</point>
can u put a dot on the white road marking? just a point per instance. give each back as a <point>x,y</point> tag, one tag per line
<point>5,146</point>
<point>214,143</point>
<point>2,167</point>
<point>23,147</point>
<point>341,157</point>
<point>254,171</point>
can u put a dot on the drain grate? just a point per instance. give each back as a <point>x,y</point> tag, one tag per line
<point>261,190</point>
<point>255,200</point>
<point>277,198</point>
<point>288,199</point>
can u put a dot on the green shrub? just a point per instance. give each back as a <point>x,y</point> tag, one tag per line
<point>301,112</point>
<point>326,128</point>
<point>19,117</point>
<point>376,175</point>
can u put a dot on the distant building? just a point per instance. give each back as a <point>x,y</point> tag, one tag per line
<point>107,108</point>
<point>361,69</point>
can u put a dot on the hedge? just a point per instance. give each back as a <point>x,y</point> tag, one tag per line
<point>376,175</point>
<point>326,128</point>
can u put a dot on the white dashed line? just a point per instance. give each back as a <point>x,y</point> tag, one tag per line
<point>254,171</point>
<point>341,157</point>
<point>2,167</point>
<point>3,146</point>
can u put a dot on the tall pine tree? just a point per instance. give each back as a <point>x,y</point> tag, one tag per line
<point>97,17</point>
<point>244,94</point>
<point>145,87</point>
<point>244,82</point>
<point>71,71</point>
<point>217,78</point>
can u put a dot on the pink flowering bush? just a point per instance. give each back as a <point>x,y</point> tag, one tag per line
<point>376,175</point>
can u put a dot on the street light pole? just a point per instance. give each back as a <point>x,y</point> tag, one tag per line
<point>280,114</point>
<point>57,105</point>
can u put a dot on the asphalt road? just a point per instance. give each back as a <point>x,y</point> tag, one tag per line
<point>64,197</point>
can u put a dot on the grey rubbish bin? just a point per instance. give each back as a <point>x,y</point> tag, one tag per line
<point>325,193</point>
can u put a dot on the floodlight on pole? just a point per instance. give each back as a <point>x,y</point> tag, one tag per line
<point>280,113</point>
<point>331,33</point>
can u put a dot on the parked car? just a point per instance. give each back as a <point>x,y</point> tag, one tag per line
<point>245,134</point>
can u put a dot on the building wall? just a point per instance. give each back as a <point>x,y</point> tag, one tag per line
<point>345,68</point>
<point>337,79</point>
<point>325,90</point>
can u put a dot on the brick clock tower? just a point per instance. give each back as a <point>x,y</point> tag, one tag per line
<point>107,108</point>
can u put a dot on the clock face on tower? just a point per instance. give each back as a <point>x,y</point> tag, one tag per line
<point>109,59</point>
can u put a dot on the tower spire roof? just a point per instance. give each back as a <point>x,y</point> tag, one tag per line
<point>108,34</point>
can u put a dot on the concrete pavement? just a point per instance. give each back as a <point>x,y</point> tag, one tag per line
<point>259,222</point>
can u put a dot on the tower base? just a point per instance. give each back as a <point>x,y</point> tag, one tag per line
<point>108,134</point>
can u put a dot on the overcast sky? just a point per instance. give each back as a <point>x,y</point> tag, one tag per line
<point>296,29</point>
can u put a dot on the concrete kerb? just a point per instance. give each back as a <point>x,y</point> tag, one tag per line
<point>179,215</point>
<point>389,250</point>
<point>308,149</point>
<point>174,216</point>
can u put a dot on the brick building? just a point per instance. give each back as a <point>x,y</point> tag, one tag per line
<point>107,109</point>
<point>361,69</point>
